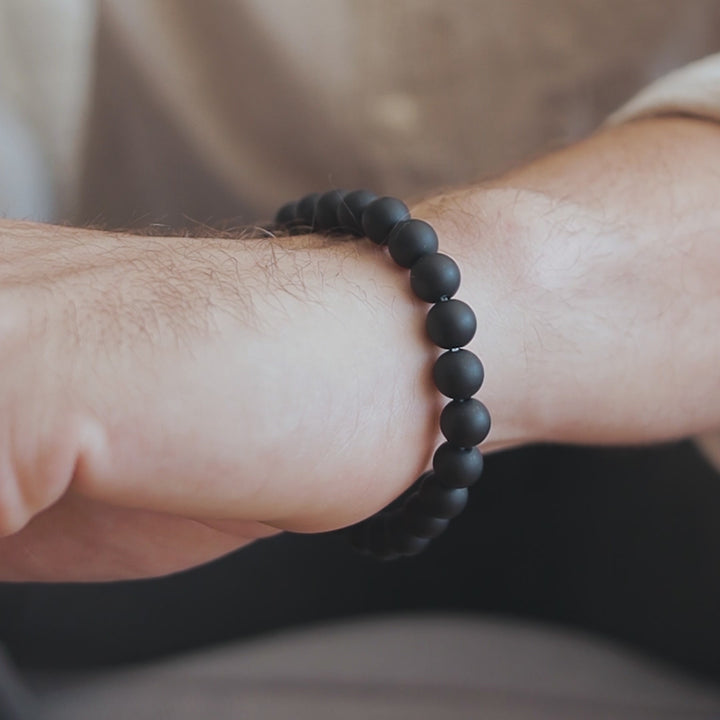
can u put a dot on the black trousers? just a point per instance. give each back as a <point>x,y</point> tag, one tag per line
<point>621,542</point>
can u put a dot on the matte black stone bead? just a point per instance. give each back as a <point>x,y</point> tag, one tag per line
<point>457,467</point>
<point>351,209</point>
<point>407,544</point>
<point>426,526</point>
<point>381,217</point>
<point>400,540</point>
<point>417,522</point>
<point>434,277</point>
<point>306,209</point>
<point>440,501</point>
<point>373,535</point>
<point>380,540</point>
<point>451,324</point>
<point>465,423</point>
<point>327,209</point>
<point>286,214</point>
<point>410,240</point>
<point>360,537</point>
<point>458,374</point>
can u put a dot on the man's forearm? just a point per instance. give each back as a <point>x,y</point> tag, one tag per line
<point>286,383</point>
<point>221,378</point>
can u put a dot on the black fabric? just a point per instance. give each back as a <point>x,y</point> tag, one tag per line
<point>15,701</point>
<point>621,542</point>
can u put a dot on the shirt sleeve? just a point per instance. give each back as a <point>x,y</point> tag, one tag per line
<point>693,91</point>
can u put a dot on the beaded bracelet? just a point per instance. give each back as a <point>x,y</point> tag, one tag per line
<point>423,512</point>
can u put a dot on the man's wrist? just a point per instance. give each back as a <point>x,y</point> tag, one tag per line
<point>493,233</point>
<point>607,256</point>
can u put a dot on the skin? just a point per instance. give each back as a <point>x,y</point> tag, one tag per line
<point>167,400</point>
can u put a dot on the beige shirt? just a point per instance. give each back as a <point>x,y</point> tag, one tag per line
<point>229,107</point>
<point>211,107</point>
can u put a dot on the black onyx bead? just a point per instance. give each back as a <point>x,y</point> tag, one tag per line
<point>286,214</point>
<point>327,208</point>
<point>360,537</point>
<point>410,240</point>
<point>404,542</point>
<point>416,521</point>
<point>434,277</point>
<point>465,423</point>
<point>458,374</point>
<point>306,209</point>
<point>380,541</point>
<point>351,209</point>
<point>457,467</point>
<point>451,324</point>
<point>381,216</point>
<point>440,501</point>
<point>401,541</point>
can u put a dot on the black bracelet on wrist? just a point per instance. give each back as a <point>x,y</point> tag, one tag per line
<point>423,512</point>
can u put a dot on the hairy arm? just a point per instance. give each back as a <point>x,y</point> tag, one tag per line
<point>168,399</point>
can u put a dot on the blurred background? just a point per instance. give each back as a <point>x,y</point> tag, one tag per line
<point>128,113</point>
